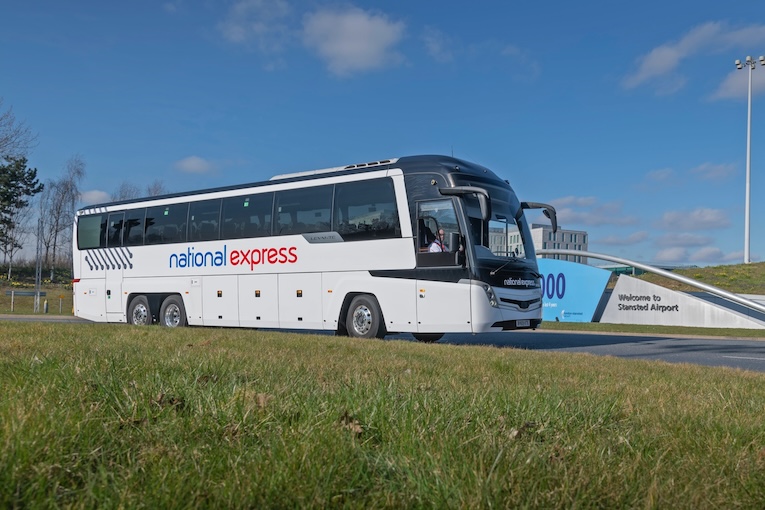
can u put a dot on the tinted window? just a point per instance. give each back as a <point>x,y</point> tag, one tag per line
<point>302,211</point>
<point>133,230</point>
<point>366,210</point>
<point>91,231</point>
<point>166,224</point>
<point>204,220</point>
<point>247,216</point>
<point>114,230</point>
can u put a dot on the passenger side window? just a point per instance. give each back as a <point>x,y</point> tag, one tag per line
<point>247,216</point>
<point>114,230</point>
<point>166,224</point>
<point>91,231</point>
<point>204,220</point>
<point>133,234</point>
<point>366,210</point>
<point>301,211</point>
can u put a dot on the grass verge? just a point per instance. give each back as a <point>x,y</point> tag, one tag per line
<point>59,298</point>
<point>115,416</point>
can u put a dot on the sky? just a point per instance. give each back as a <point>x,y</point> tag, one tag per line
<point>629,117</point>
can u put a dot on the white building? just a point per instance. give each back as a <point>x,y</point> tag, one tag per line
<point>544,239</point>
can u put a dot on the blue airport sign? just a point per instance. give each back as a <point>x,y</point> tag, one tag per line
<point>570,291</point>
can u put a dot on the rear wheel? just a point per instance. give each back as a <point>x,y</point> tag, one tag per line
<point>428,338</point>
<point>364,319</point>
<point>139,312</point>
<point>172,314</point>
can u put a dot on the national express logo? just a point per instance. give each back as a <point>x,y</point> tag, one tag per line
<point>519,282</point>
<point>221,258</point>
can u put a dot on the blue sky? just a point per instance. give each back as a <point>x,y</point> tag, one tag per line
<point>629,117</point>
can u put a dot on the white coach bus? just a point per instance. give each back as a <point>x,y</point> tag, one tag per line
<point>349,249</point>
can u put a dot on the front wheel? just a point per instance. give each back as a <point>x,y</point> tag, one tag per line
<point>172,314</point>
<point>428,338</point>
<point>364,319</point>
<point>139,312</point>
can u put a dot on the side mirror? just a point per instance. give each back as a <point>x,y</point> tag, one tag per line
<point>548,211</point>
<point>454,241</point>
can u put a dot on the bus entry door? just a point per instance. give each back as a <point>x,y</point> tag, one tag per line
<point>115,264</point>
<point>115,309</point>
<point>443,288</point>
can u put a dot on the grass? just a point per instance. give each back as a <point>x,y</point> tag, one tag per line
<point>739,278</point>
<point>116,416</point>
<point>59,300</point>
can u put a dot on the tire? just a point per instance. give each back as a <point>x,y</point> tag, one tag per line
<point>428,338</point>
<point>172,314</point>
<point>139,312</point>
<point>364,319</point>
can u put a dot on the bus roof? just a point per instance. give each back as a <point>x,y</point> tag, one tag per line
<point>408,164</point>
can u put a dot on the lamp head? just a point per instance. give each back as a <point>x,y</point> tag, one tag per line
<point>762,60</point>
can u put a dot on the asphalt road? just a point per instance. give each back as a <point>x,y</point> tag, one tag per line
<point>745,354</point>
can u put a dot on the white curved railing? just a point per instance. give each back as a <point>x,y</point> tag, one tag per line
<point>667,274</point>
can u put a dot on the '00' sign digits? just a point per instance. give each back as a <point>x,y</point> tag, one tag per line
<point>554,286</point>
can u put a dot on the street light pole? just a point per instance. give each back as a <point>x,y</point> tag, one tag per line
<point>750,63</point>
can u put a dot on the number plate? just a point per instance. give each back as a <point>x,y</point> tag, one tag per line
<point>523,323</point>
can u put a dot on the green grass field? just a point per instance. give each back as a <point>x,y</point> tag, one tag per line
<point>113,416</point>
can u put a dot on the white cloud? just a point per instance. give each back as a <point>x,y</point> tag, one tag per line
<point>94,197</point>
<point>698,219</point>
<point>659,67</point>
<point>437,44</point>
<point>172,7</point>
<point>682,239</point>
<point>262,22</point>
<point>634,238</point>
<point>714,255</point>
<point>738,257</point>
<point>708,255</point>
<point>736,85</point>
<point>194,165</point>
<point>710,171</point>
<point>663,60</point>
<point>576,211</point>
<point>353,40</point>
<point>672,255</point>
<point>661,175</point>
<point>574,201</point>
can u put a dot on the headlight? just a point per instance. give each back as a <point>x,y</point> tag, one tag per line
<point>491,296</point>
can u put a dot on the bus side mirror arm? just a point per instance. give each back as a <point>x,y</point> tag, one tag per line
<point>484,201</point>
<point>547,210</point>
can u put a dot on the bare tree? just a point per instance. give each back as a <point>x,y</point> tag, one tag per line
<point>15,137</point>
<point>51,212</point>
<point>126,191</point>
<point>156,188</point>
<point>58,206</point>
